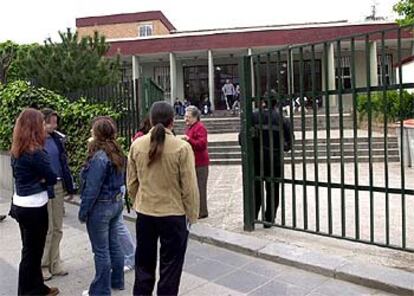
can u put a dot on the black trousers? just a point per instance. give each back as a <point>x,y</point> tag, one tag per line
<point>33,223</point>
<point>270,212</point>
<point>173,234</point>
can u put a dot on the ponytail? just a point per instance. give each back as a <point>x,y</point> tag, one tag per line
<point>157,143</point>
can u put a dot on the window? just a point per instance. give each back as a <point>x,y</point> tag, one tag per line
<point>145,30</point>
<point>343,72</point>
<point>387,68</point>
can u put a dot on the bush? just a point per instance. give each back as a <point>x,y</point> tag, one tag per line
<point>395,108</point>
<point>75,117</point>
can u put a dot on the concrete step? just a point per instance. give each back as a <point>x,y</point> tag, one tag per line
<point>310,154</point>
<point>336,159</point>
<point>232,124</point>
<point>320,147</point>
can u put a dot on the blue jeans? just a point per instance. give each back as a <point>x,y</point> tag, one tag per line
<point>127,243</point>
<point>104,237</point>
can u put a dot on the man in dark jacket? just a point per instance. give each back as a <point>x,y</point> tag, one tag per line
<point>265,166</point>
<point>54,146</point>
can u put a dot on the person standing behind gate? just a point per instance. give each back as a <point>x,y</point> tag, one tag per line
<point>101,205</point>
<point>51,262</point>
<point>270,213</point>
<point>228,92</point>
<point>162,181</point>
<point>196,135</point>
<point>32,174</point>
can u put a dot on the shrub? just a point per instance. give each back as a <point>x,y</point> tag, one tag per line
<point>75,117</point>
<point>395,108</point>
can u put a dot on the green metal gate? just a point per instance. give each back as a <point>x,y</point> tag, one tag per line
<point>345,101</point>
<point>132,99</point>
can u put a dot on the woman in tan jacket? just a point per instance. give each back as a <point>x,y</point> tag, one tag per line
<point>163,184</point>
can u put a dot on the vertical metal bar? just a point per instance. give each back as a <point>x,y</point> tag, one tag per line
<point>355,129</point>
<point>129,117</point>
<point>280,98</point>
<point>260,131</point>
<point>328,137</point>
<point>370,168</point>
<point>271,111</point>
<point>400,76</point>
<point>341,139</point>
<point>292,123</point>
<point>247,145</point>
<point>315,137</point>
<point>303,127</point>
<point>386,110</point>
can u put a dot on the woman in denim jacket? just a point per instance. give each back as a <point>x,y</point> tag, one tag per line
<point>101,205</point>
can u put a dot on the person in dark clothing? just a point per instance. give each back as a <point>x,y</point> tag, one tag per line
<point>263,116</point>
<point>54,146</point>
<point>32,173</point>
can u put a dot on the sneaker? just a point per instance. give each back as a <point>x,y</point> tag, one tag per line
<point>2,217</point>
<point>85,293</point>
<point>47,276</point>
<point>128,268</point>
<point>53,291</point>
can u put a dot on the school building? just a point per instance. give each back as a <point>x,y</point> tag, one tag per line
<point>195,64</point>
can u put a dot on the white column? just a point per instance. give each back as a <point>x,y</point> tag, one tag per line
<point>211,78</point>
<point>173,78</point>
<point>135,68</point>
<point>373,63</point>
<point>333,100</point>
<point>250,53</point>
<point>135,75</point>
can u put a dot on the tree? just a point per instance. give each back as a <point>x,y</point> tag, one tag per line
<point>405,9</point>
<point>69,65</point>
<point>8,52</point>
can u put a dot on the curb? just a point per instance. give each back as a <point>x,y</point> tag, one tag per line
<point>365,274</point>
<point>369,275</point>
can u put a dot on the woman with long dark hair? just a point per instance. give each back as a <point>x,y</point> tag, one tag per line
<point>162,181</point>
<point>32,174</point>
<point>101,205</point>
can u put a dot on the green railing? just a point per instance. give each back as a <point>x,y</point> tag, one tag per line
<point>333,183</point>
<point>150,93</point>
<point>132,99</point>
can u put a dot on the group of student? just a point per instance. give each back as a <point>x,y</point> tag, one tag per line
<point>164,175</point>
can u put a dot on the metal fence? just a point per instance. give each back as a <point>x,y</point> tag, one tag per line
<point>345,101</point>
<point>132,99</point>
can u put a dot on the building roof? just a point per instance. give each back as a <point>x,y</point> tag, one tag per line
<point>251,37</point>
<point>124,18</point>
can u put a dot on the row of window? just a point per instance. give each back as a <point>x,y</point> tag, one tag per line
<point>384,71</point>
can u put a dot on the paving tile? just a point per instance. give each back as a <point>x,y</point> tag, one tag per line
<point>191,259</point>
<point>335,287</point>
<point>242,281</point>
<point>265,268</point>
<point>213,289</point>
<point>232,259</point>
<point>303,279</point>
<point>279,288</point>
<point>209,269</point>
<point>190,282</point>
<point>8,278</point>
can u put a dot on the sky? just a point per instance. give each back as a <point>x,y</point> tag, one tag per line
<point>27,21</point>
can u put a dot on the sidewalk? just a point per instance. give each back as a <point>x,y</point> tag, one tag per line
<point>208,270</point>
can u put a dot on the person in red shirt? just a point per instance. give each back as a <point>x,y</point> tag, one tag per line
<point>196,135</point>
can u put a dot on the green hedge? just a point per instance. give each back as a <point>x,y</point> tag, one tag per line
<point>75,117</point>
<point>395,107</point>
